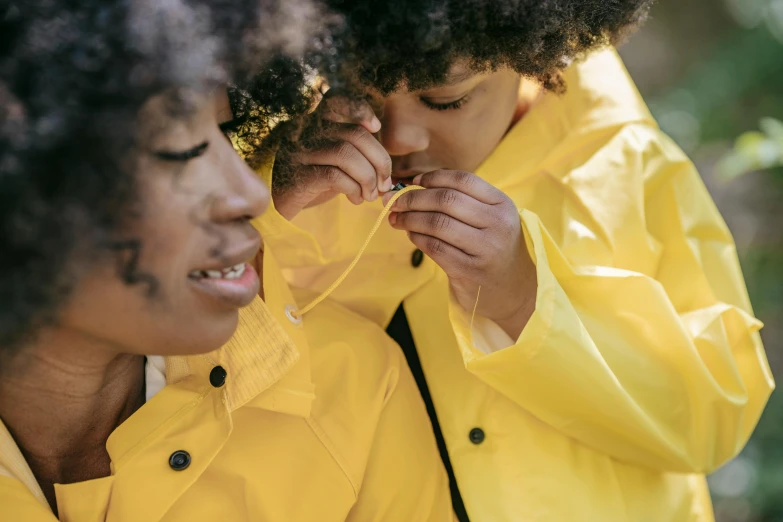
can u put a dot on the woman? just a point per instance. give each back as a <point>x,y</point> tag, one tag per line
<point>125,220</point>
<point>579,326</point>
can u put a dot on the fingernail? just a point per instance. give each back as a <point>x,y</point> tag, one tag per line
<point>387,184</point>
<point>387,197</point>
<point>417,179</point>
<point>393,218</point>
<point>375,124</point>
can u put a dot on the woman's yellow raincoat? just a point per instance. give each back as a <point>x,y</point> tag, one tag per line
<point>641,368</point>
<point>311,424</point>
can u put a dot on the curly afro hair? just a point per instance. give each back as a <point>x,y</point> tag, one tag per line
<point>389,43</point>
<point>382,45</point>
<point>73,78</point>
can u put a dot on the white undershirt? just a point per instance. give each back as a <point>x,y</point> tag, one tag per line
<point>155,375</point>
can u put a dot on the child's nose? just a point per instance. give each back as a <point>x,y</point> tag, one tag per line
<point>401,136</point>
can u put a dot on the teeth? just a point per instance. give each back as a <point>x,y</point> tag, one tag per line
<point>234,272</point>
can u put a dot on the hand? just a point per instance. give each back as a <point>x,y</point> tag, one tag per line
<point>473,231</point>
<point>337,154</point>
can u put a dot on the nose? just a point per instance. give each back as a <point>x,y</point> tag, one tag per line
<point>402,133</point>
<point>245,195</point>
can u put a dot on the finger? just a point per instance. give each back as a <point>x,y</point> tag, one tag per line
<point>346,157</point>
<point>372,150</point>
<point>313,184</point>
<point>326,178</point>
<point>447,201</point>
<point>451,259</point>
<point>341,109</point>
<point>441,226</point>
<point>465,182</point>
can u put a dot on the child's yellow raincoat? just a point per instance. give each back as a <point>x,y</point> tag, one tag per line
<point>641,368</point>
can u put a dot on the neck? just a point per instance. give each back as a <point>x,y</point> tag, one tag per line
<point>63,401</point>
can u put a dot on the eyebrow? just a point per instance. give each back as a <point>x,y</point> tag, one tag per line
<point>459,77</point>
<point>452,79</point>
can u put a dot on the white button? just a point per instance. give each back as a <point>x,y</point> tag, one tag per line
<point>290,313</point>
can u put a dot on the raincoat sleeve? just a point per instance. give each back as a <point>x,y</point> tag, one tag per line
<point>404,478</point>
<point>653,358</point>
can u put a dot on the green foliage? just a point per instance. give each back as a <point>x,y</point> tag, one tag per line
<point>756,150</point>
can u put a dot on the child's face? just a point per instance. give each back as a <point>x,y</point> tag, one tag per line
<point>455,125</point>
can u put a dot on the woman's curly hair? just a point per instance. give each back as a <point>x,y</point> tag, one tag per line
<point>388,43</point>
<point>73,78</point>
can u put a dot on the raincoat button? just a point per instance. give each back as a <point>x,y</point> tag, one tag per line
<point>417,258</point>
<point>179,460</point>
<point>476,436</point>
<point>217,377</point>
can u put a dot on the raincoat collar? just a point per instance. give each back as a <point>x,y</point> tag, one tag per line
<point>598,102</point>
<point>267,364</point>
<point>268,352</point>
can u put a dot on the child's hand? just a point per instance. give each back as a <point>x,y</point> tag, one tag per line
<point>337,154</point>
<point>473,231</point>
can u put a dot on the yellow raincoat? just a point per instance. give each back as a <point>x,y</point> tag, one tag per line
<point>641,368</point>
<point>310,425</point>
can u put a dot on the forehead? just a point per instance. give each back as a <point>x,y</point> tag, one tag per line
<point>176,106</point>
<point>458,73</point>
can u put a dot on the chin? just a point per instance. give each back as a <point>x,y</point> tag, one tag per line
<point>206,336</point>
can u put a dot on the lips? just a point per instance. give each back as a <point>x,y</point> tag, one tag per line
<point>237,292</point>
<point>235,283</point>
<point>231,272</point>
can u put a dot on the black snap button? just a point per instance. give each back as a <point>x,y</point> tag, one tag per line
<point>217,377</point>
<point>179,460</point>
<point>476,436</point>
<point>417,258</point>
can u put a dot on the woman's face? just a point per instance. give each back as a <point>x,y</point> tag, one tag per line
<point>455,125</point>
<point>189,272</point>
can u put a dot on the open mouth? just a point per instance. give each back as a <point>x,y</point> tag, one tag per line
<point>232,272</point>
<point>234,285</point>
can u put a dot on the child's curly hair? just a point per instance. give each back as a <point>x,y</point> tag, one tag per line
<point>388,43</point>
<point>73,78</point>
<point>382,45</point>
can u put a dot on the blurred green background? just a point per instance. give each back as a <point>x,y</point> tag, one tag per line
<point>710,71</point>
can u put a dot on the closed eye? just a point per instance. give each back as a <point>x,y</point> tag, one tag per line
<point>184,155</point>
<point>452,105</point>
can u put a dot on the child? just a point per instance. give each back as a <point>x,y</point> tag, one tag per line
<point>578,323</point>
